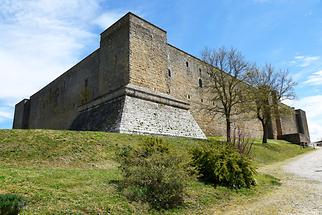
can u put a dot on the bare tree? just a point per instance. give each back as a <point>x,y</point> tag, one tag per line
<point>269,87</point>
<point>227,70</point>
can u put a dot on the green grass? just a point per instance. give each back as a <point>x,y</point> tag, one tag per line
<point>275,151</point>
<point>65,172</point>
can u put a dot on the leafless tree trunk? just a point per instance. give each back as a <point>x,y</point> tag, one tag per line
<point>227,70</point>
<point>267,83</point>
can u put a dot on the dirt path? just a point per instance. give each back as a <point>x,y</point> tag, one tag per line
<point>300,192</point>
<point>308,166</point>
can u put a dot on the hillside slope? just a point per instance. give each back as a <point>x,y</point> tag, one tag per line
<point>75,172</point>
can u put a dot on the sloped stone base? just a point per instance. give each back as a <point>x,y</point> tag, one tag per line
<point>133,110</point>
<point>146,117</point>
<point>102,117</point>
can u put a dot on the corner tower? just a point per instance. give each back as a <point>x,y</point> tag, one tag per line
<point>132,85</point>
<point>148,61</point>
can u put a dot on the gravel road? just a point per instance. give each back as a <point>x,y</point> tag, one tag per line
<point>308,166</point>
<point>300,192</point>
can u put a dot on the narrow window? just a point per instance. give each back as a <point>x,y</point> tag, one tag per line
<point>188,96</point>
<point>187,64</point>
<point>86,83</point>
<point>199,72</point>
<point>169,73</point>
<point>115,60</point>
<point>200,83</point>
<point>201,100</point>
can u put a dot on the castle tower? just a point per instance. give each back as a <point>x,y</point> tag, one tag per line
<point>132,85</point>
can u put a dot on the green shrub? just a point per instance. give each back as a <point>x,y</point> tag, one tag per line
<point>10,204</point>
<point>153,174</point>
<point>223,166</point>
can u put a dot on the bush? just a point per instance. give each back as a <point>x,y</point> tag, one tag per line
<point>223,166</point>
<point>242,142</point>
<point>153,174</point>
<point>10,204</point>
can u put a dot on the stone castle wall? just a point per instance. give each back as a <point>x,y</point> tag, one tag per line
<point>134,55</point>
<point>55,106</point>
<point>114,57</point>
<point>184,82</point>
<point>288,123</point>
<point>148,54</point>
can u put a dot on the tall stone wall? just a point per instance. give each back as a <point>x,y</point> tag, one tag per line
<point>187,72</point>
<point>55,106</point>
<point>21,117</point>
<point>288,123</point>
<point>114,57</point>
<point>148,55</point>
<point>302,135</point>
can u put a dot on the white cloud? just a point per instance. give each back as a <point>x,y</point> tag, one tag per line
<point>311,105</point>
<point>305,67</point>
<point>41,39</point>
<point>315,78</point>
<point>5,115</point>
<point>305,61</point>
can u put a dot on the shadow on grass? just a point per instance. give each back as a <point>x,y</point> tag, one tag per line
<point>11,204</point>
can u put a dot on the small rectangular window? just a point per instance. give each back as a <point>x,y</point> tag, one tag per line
<point>187,64</point>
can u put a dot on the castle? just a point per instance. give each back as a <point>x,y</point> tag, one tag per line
<point>136,82</point>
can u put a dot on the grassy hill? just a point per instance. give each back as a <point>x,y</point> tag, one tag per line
<point>66,172</point>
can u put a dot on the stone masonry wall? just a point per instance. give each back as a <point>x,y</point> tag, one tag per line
<point>148,54</point>
<point>21,117</point>
<point>55,106</point>
<point>186,73</point>
<point>103,117</point>
<point>302,122</point>
<point>288,123</point>
<point>114,57</point>
<point>146,117</point>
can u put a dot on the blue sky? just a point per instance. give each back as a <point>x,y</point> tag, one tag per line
<point>40,39</point>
